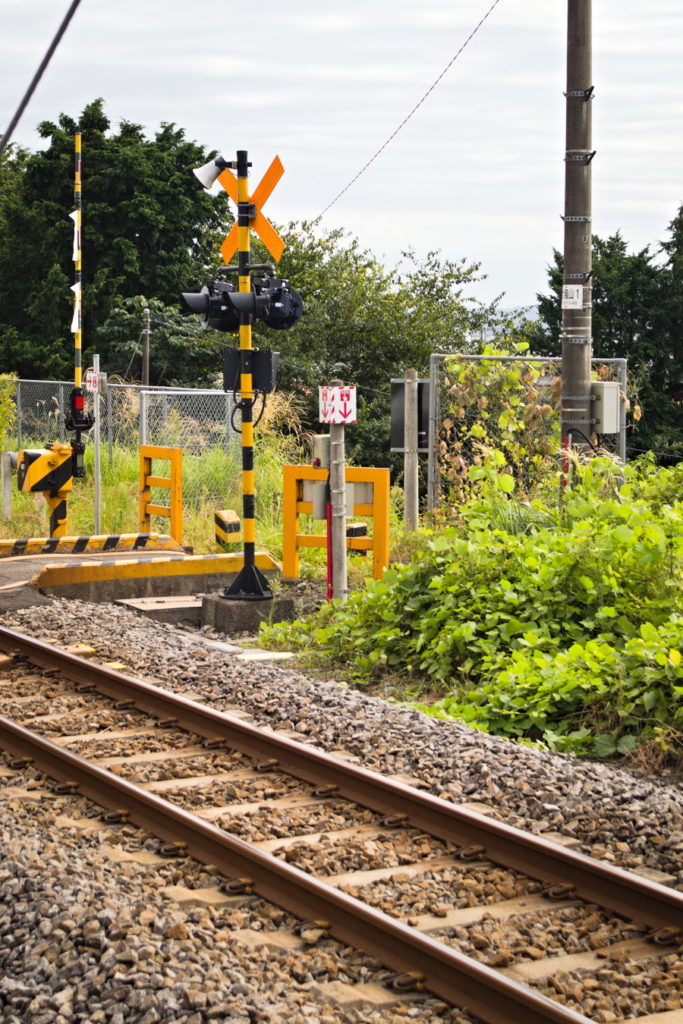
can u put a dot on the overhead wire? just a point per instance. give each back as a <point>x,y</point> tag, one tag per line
<point>38,75</point>
<point>136,350</point>
<point>413,111</point>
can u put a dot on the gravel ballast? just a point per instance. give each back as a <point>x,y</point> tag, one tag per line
<point>89,917</point>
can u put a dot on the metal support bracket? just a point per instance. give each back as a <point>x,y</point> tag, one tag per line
<point>578,398</point>
<point>576,422</point>
<point>578,219</point>
<point>580,158</point>
<point>579,277</point>
<point>575,341</point>
<point>581,94</point>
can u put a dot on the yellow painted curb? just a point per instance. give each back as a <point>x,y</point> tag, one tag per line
<point>66,574</point>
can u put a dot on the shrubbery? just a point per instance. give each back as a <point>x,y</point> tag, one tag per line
<point>561,624</point>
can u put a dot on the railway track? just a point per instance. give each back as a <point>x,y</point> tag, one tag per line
<point>285,821</point>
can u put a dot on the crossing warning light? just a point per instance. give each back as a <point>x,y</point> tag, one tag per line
<point>78,418</point>
<point>270,299</point>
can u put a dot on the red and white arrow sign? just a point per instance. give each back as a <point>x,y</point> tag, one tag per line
<point>337,404</point>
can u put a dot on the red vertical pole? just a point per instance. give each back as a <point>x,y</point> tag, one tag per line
<point>330,566</point>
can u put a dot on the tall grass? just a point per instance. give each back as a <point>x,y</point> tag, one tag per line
<point>211,481</point>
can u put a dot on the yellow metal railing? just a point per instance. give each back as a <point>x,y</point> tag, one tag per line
<point>294,506</point>
<point>174,484</point>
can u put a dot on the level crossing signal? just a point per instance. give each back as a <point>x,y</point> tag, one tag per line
<point>259,295</point>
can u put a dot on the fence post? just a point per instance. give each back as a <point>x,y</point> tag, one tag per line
<point>623,380</point>
<point>6,485</point>
<point>97,482</point>
<point>433,432</point>
<point>61,412</point>
<point>110,425</point>
<point>143,417</point>
<point>410,465</point>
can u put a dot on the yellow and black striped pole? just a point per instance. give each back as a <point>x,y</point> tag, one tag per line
<point>250,584</point>
<point>78,420</point>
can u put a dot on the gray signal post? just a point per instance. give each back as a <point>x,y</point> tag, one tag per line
<point>337,408</point>
<point>410,458</point>
<point>577,299</point>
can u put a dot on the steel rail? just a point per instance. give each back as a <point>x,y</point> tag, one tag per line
<point>630,895</point>
<point>456,978</point>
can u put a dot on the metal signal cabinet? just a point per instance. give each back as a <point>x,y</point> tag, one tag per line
<point>397,445</point>
<point>606,395</point>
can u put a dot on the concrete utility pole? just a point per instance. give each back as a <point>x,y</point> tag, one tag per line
<point>340,587</point>
<point>145,347</point>
<point>577,342</point>
<point>410,460</point>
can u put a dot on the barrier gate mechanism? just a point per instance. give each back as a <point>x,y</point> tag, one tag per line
<point>376,482</point>
<point>48,470</point>
<point>174,484</point>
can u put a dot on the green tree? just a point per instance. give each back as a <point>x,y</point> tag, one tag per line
<point>181,351</point>
<point>147,227</point>
<point>667,432</point>
<point>365,324</point>
<point>637,315</point>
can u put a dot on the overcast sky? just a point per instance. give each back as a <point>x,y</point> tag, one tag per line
<point>477,172</point>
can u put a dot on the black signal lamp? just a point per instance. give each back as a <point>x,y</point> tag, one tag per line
<point>78,418</point>
<point>286,307</point>
<point>270,299</point>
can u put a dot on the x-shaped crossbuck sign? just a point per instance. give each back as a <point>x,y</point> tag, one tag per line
<point>261,225</point>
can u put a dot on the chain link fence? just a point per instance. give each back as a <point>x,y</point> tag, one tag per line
<point>508,402</point>
<point>198,421</point>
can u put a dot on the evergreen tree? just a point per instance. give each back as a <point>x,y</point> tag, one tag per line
<point>637,315</point>
<point>147,226</point>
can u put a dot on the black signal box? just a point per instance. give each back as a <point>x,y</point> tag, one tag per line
<point>264,363</point>
<point>398,417</point>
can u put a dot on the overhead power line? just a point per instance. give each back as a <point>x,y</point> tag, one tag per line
<point>38,75</point>
<point>413,111</point>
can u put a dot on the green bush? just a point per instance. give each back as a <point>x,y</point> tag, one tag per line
<point>567,627</point>
<point>8,386</point>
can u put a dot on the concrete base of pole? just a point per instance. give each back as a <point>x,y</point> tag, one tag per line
<point>178,611</point>
<point>244,616</point>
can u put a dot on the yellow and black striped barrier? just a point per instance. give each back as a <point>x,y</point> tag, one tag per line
<point>228,528</point>
<point>88,545</point>
<point>48,471</point>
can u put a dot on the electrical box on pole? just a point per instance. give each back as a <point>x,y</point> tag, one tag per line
<point>607,399</point>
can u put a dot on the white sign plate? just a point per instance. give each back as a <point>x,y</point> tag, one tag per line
<point>572,296</point>
<point>91,382</point>
<point>337,404</point>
